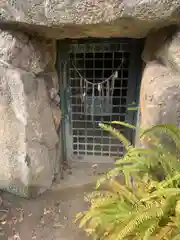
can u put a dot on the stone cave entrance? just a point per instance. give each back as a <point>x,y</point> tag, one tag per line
<point>99,79</point>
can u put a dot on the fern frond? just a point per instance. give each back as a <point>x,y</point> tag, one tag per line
<point>134,160</point>
<point>169,130</point>
<point>123,124</point>
<point>124,191</point>
<point>140,219</point>
<point>167,182</point>
<point>163,233</point>
<point>174,192</point>
<point>147,207</point>
<point>114,132</point>
<point>176,237</point>
<point>177,209</point>
<point>110,174</point>
<point>149,232</point>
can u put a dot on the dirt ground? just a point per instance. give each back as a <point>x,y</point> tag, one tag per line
<point>50,216</point>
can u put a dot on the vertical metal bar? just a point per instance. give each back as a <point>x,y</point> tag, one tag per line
<point>111,117</point>
<point>93,80</point>
<point>62,50</point>
<point>133,83</point>
<point>102,93</point>
<point>74,85</point>
<point>86,128</point>
<point>137,114</point>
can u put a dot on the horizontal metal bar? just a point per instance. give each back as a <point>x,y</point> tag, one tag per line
<point>78,78</point>
<point>107,140</point>
<point>100,114</point>
<point>94,129</point>
<point>105,134</point>
<point>117,88</point>
<point>86,51</point>
<point>98,59</point>
<point>98,79</point>
<point>96,122</point>
<point>114,97</point>
<point>95,140</point>
<point>100,144</point>
<point>114,105</point>
<point>78,95</point>
<point>81,104</point>
<point>96,152</point>
<point>106,44</point>
<point>90,137</point>
<point>90,121</point>
<point>97,68</point>
<point>94,40</point>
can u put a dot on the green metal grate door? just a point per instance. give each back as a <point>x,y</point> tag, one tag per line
<point>94,63</point>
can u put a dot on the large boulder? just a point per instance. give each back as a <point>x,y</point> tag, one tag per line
<point>28,138</point>
<point>160,98</point>
<point>83,18</point>
<point>160,88</point>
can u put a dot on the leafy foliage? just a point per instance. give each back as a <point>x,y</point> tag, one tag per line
<point>147,205</point>
<point>159,160</point>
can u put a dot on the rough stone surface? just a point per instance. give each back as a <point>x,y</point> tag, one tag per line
<point>52,86</point>
<point>163,46</point>
<point>160,88</point>
<point>160,98</point>
<point>83,18</point>
<point>28,139</point>
<point>156,41</point>
<point>169,52</point>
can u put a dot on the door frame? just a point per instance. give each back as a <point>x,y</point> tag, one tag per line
<point>134,82</point>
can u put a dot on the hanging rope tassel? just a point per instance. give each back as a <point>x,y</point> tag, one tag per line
<point>103,102</point>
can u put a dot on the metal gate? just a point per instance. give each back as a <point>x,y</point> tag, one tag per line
<point>98,80</point>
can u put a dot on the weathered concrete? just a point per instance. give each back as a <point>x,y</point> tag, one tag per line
<point>83,18</point>
<point>28,139</point>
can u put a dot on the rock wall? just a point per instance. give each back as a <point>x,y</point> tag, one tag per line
<point>28,137</point>
<point>160,88</point>
<point>89,18</point>
<point>29,112</point>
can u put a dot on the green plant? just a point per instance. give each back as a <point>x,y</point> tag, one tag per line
<point>147,205</point>
<point>160,160</point>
